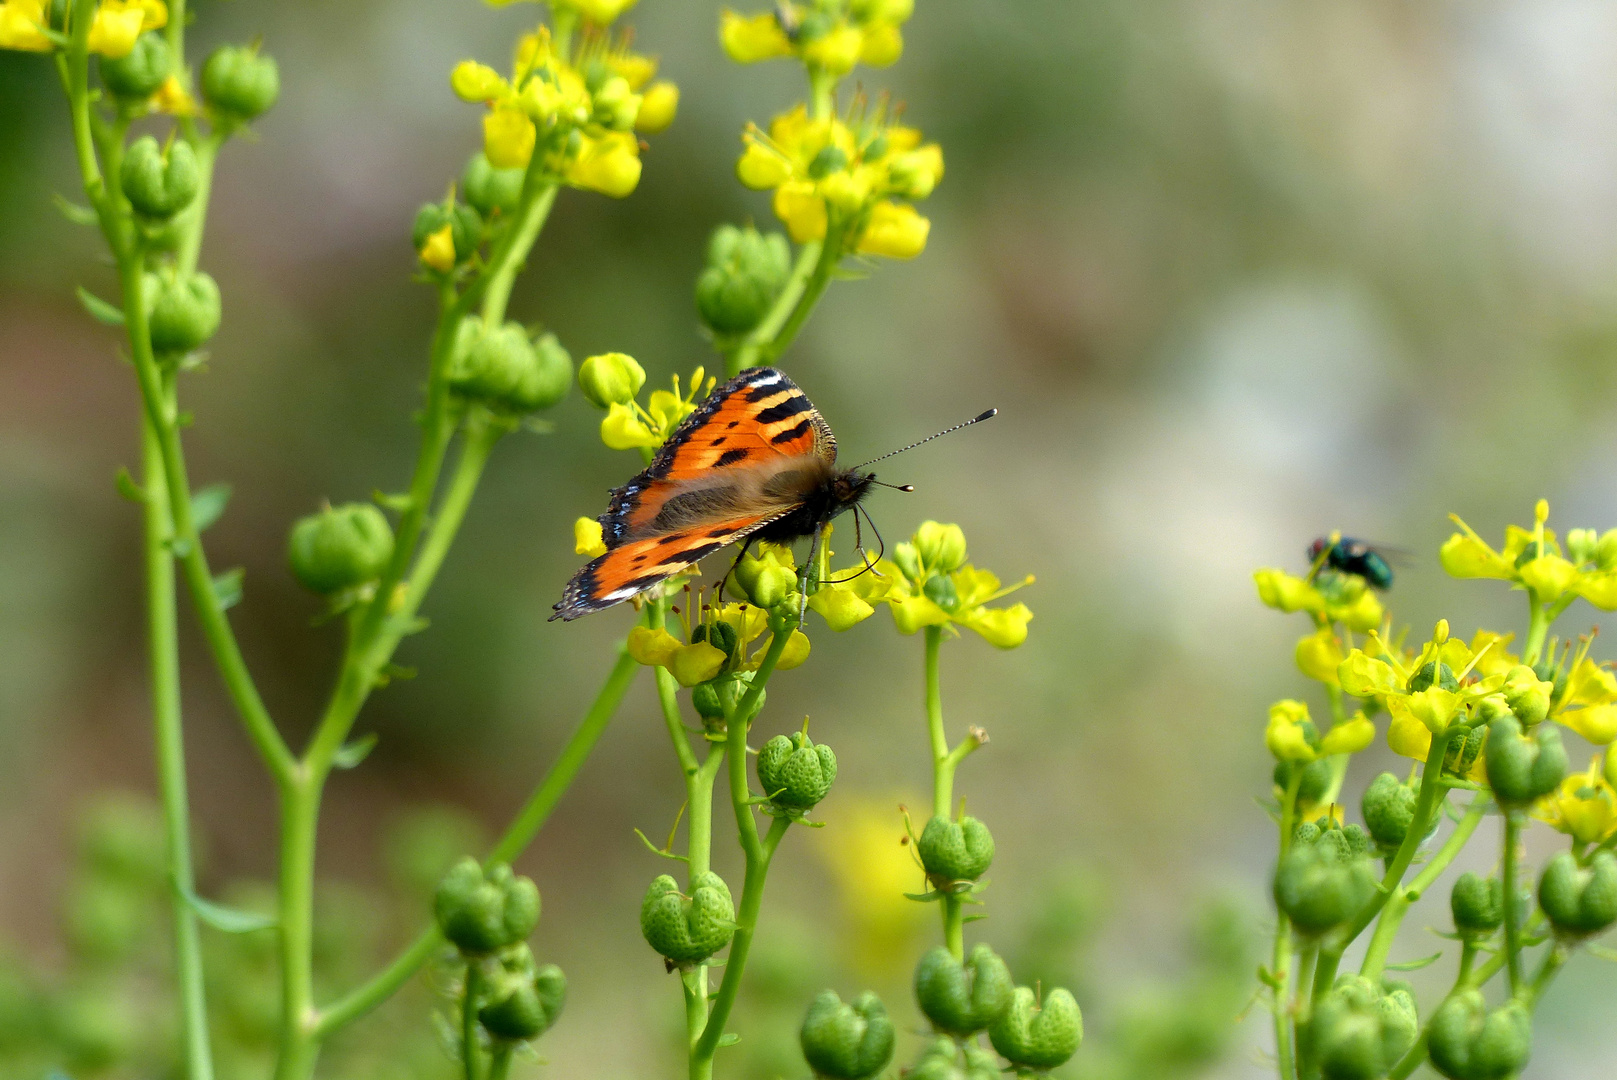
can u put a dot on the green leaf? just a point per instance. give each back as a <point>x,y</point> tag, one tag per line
<point>227,919</point>
<point>227,587</point>
<point>128,488</point>
<point>1601,952</point>
<point>729,1038</point>
<point>208,505</point>
<point>99,309</point>
<point>1416,965</point>
<point>352,753</point>
<point>536,426</point>
<point>397,503</point>
<point>78,215</point>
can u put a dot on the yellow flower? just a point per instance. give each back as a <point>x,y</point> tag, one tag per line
<point>588,538</point>
<point>636,70</point>
<point>883,44</point>
<point>174,99</point>
<point>1424,696</point>
<point>871,869</point>
<point>1589,706</point>
<point>836,51</point>
<point>1348,738</point>
<point>1533,559</point>
<point>895,230</point>
<point>600,12</point>
<point>801,210</point>
<point>608,163</point>
<point>627,425</point>
<point>1348,600</point>
<point>1291,735</point>
<point>508,138</point>
<point>751,38</point>
<point>622,429</point>
<point>1319,655</point>
<point>657,107</point>
<point>116,26</point>
<point>761,168</point>
<point>1584,806</point>
<point>438,253</point>
<point>472,81</point>
<point>22,24</point>
<point>919,594</point>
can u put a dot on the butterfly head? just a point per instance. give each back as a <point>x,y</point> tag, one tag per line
<point>848,488</point>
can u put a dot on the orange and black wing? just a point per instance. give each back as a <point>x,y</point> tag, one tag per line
<point>690,500</point>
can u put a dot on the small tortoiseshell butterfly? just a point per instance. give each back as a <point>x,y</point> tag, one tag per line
<point>755,461</point>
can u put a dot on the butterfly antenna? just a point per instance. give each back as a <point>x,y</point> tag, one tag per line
<point>946,431</point>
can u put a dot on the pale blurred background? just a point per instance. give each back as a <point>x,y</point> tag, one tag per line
<point>1235,272</point>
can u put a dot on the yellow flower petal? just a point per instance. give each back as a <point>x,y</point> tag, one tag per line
<point>21,26</point>
<point>841,608</point>
<point>1600,589</point>
<point>1348,738</point>
<point>1548,576</point>
<point>914,612</point>
<point>836,51</point>
<point>883,44</point>
<point>472,81</point>
<point>795,652</point>
<point>895,231</point>
<point>438,252</point>
<point>1363,676</point>
<point>1004,628</point>
<point>1465,556</point>
<point>801,210</point>
<point>654,648</point>
<point>1285,592</point>
<point>1285,736</point>
<point>691,664</point>
<point>1597,723</point>
<point>621,429</point>
<point>1434,707</point>
<point>748,39</point>
<point>1408,736</point>
<point>1319,655</point>
<point>508,138</point>
<point>587,537</point>
<point>609,164</point>
<point>657,108</point>
<point>114,30</point>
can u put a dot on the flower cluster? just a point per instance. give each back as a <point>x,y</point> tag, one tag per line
<point>829,36</point>
<point>611,381</point>
<point>718,638</point>
<point>1534,560</point>
<point>31,25</point>
<point>576,105</point>
<point>845,174</point>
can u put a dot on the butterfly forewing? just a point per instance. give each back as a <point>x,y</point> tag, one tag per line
<point>746,457</point>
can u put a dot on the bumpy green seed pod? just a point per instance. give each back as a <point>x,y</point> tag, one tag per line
<point>1477,904</point>
<point>240,84</point>
<point>1316,778</point>
<point>491,190</point>
<point>794,772</point>
<point>159,185</point>
<point>719,634</point>
<point>707,702</point>
<point>1389,809</point>
<point>937,1062</point>
<point>465,227</point>
<point>1035,1036</point>
<point>1579,900</point>
<point>1523,768</point>
<point>1324,879</point>
<point>1360,1029</point>
<point>846,1041</point>
<point>482,911</point>
<point>138,76</point>
<point>1463,751</point>
<point>1432,674</point>
<point>956,851</point>
<point>981,1065</point>
<point>611,379</point>
<point>525,1004</point>
<point>183,311</point>
<point>744,274</point>
<point>963,999</point>
<point>1467,1042</point>
<point>684,929</point>
<point>502,369</point>
<point>341,547</point>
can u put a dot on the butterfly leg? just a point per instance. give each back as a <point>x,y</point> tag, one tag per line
<point>810,568</point>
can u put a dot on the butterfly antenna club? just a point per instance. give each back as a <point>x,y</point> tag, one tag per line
<point>979,418</point>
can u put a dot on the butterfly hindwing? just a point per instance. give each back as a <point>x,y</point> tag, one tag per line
<point>635,566</point>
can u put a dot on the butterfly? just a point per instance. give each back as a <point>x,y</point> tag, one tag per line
<point>755,462</point>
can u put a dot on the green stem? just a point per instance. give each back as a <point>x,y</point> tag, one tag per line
<point>471,1060</point>
<point>194,217</point>
<point>1280,966</point>
<point>508,258</point>
<point>1427,801</point>
<point>942,772</point>
<point>163,646</point>
<point>825,265</point>
<point>822,94</point>
<point>746,354</point>
<point>499,1066</point>
<point>1538,625</point>
<point>757,852</point>
<point>517,837</point>
<point>1375,957</point>
<point>1529,994</point>
<point>1508,873</point>
<point>300,811</point>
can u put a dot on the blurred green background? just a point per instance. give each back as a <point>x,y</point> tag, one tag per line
<point>1235,272</point>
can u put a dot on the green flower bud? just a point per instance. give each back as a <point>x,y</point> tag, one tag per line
<point>705,698</point>
<point>956,851</point>
<point>719,634</point>
<point>1579,900</point>
<point>846,1042</point>
<point>240,84</point>
<point>794,772</point>
<point>744,274</point>
<point>1606,550</point>
<point>1523,768</point>
<point>159,185</point>
<point>465,227</point>
<point>1316,778</point>
<point>1477,904</point>
<point>611,379</point>
<point>490,190</point>
<point>772,585</point>
<point>341,547</point>
<point>1528,693</point>
<point>482,911</point>
<point>1389,809</point>
<point>138,76</point>
<point>182,311</point>
<point>690,929</point>
<point>1036,1037</point>
<point>981,1065</point>
<point>963,999</point>
<point>503,370</point>
<point>1467,1042</point>
<point>941,548</point>
<point>615,104</point>
<point>1433,673</point>
<point>1324,881</point>
<point>524,1005</point>
<point>1359,1030</point>
<point>1581,545</point>
<point>907,561</point>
